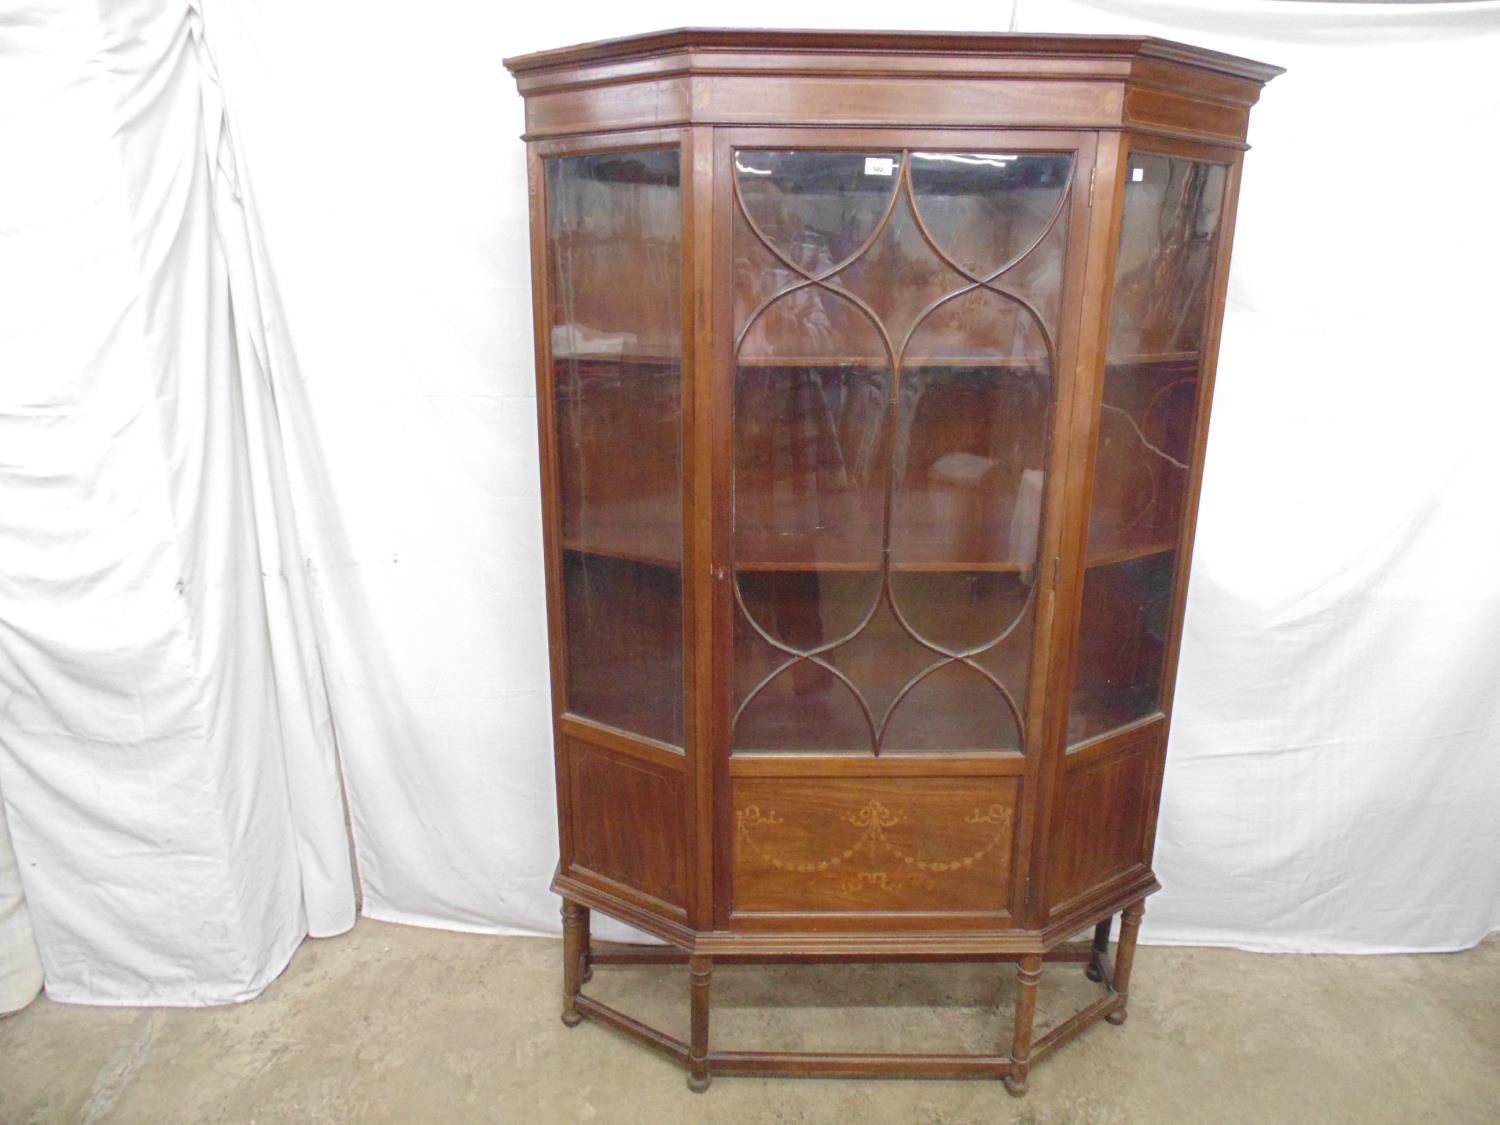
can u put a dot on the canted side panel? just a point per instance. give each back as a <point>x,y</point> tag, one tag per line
<point>626,822</point>
<point>1101,827</point>
<point>873,845</point>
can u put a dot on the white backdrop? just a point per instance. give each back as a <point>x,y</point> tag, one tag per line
<point>167,761</point>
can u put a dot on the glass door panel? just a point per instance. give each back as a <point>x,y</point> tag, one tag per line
<point>1169,237</point>
<point>896,317</point>
<point>614,245</point>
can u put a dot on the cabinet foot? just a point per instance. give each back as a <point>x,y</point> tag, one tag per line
<point>575,949</point>
<point>700,972</point>
<point>1130,926</point>
<point>1028,976</point>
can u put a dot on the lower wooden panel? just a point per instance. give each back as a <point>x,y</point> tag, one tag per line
<point>627,820</point>
<point>1100,828</point>
<point>872,845</point>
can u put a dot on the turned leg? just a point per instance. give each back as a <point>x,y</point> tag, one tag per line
<point>1095,971</point>
<point>585,953</point>
<point>700,970</point>
<point>575,929</point>
<point>1130,924</point>
<point>1028,974</point>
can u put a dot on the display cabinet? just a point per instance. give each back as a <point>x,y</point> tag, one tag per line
<point>873,382</point>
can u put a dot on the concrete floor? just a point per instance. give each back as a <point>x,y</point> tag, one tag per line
<point>395,1024</point>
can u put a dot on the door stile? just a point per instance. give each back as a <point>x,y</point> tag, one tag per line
<point>715,391</point>
<point>717,430</point>
<point>541,304</point>
<point>565,724</point>
<point>1040,751</point>
<point>698,516</point>
<point>1077,433</point>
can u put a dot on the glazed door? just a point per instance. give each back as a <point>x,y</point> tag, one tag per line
<point>894,370</point>
<point>1168,257</point>
<point>612,406</point>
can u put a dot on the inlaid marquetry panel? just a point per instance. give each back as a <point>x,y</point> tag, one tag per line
<point>864,844</point>
<point>627,822</point>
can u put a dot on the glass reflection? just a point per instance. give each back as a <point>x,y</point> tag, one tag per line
<point>1148,417</point>
<point>614,246</point>
<point>891,420</point>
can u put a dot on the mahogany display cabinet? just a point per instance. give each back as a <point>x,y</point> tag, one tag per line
<point>873,379</point>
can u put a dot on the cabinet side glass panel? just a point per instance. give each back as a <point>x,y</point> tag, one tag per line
<point>614,228</point>
<point>896,324</point>
<point>1169,236</point>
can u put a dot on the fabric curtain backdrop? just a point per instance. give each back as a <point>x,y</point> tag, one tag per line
<point>166,754</point>
<point>20,964</point>
<point>165,750</point>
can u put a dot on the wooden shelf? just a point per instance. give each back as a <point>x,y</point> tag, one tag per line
<point>659,558</point>
<point>1016,363</point>
<point>623,553</point>
<point>1124,552</point>
<point>1093,714</point>
<point>632,546</point>
<point>1109,557</point>
<point>1154,359</point>
<point>830,566</point>
<point>636,357</point>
